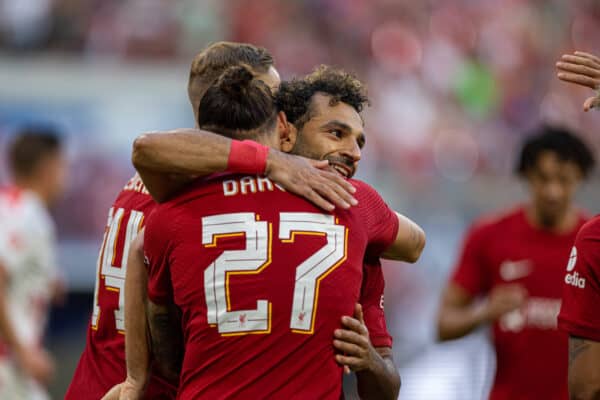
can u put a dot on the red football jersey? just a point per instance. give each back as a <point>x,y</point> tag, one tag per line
<point>262,278</point>
<point>531,352</point>
<point>371,299</point>
<point>581,285</point>
<point>102,364</point>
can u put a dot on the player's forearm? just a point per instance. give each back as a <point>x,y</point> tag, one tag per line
<point>382,381</point>
<point>584,369</point>
<point>181,151</point>
<point>409,243</point>
<point>136,337</point>
<point>166,339</point>
<point>456,321</point>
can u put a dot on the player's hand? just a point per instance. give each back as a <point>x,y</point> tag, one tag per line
<point>131,390</point>
<point>310,179</point>
<point>36,363</point>
<point>504,299</point>
<point>582,69</point>
<point>114,393</point>
<point>357,352</point>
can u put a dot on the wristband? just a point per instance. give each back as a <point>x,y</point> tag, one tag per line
<point>247,157</point>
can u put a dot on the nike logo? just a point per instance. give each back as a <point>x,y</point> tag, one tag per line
<point>513,270</point>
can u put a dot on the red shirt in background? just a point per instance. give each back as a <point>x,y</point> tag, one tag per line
<point>531,352</point>
<point>579,314</point>
<point>102,364</point>
<point>262,278</point>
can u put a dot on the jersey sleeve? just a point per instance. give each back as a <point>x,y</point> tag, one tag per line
<point>380,220</point>
<point>371,300</point>
<point>581,287</point>
<point>471,272</point>
<point>157,242</point>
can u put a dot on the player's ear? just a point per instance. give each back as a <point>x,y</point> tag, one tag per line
<point>287,133</point>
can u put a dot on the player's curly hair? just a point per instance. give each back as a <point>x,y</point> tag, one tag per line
<point>294,98</point>
<point>236,104</point>
<point>564,143</point>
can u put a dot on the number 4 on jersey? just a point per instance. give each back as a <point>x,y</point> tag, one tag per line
<point>114,276</point>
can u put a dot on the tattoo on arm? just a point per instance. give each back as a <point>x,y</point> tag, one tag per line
<point>166,339</point>
<point>576,347</point>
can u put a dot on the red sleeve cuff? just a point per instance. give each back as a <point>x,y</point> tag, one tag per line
<point>575,329</point>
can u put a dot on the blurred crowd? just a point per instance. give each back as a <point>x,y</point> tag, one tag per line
<point>455,84</point>
<point>448,76</point>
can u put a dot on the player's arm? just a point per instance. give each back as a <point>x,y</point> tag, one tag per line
<point>166,161</point>
<point>35,362</point>
<point>376,372</point>
<point>164,322</point>
<point>459,314</point>
<point>409,242</point>
<point>581,69</point>
<point>584,369</point>
<point>460,310</point>
<point>137,351</point>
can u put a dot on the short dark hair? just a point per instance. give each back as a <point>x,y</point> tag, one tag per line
<point>209,64</point>
<point>236,104</point>
<point>564,143</point>
<point>29,147</point>
<point>294,98</point>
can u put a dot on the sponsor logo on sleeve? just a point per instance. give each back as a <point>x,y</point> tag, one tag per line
<point>572,277</point>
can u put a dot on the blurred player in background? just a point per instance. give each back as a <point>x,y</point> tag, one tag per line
<point>511,269</point>
<point>29,279</point>
<point>102,364</point>
<point>579,315</point>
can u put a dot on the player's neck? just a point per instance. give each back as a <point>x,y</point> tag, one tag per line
<point>561,225</point>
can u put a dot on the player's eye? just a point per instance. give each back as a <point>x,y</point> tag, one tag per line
<point>337,133</point>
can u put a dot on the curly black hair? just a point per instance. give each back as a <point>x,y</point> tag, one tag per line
<point>564,143</point>
<point>294,97</point>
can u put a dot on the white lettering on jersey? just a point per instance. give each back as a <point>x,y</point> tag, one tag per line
<point>539,313</point>
<point>573,278</point>
<point>249,185</point>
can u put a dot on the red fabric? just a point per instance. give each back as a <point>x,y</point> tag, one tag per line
<point>371,299</point>
<point>581,285</point>
<point>102,364</point>
<point>280,364</point>
<point>531,352</point>
<point>247,157</point>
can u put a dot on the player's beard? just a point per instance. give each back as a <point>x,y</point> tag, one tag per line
<point>301,148</point>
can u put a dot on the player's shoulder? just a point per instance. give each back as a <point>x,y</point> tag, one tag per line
<point>364,191</point>
<point>27,209</point>
<point>134,196</point>
<point>494,222</point>
<point>590,230</point>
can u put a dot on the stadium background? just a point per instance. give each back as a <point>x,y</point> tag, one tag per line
<point>455,86</point>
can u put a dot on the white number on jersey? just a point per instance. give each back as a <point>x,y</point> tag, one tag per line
<point>256,256</point>
<point>114,277</point>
